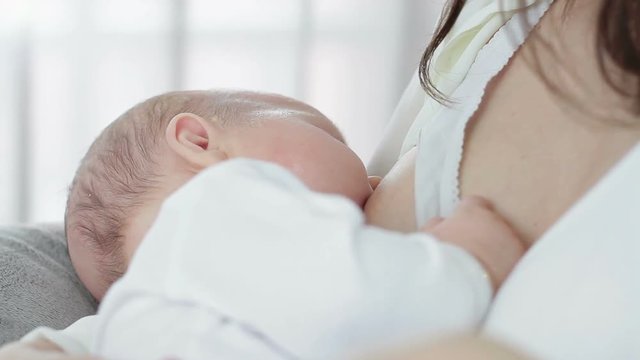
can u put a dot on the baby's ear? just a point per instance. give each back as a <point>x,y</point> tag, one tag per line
<point>192,138</point>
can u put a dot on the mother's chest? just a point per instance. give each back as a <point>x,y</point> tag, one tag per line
<point>530,155</point>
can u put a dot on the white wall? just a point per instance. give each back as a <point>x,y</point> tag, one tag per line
<point>69,67</point>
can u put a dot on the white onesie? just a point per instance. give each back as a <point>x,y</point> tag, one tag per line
<point>245,262</point>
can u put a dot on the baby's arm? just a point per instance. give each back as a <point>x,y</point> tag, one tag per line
<point>476,227</point>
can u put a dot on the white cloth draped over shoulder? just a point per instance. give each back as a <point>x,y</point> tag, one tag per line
<point>479,20</point>
<point>576,293</point>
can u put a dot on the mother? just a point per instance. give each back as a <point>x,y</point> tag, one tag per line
<point>534,118</point>
<point>532,127</point>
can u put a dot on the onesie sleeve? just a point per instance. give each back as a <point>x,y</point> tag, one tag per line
<point>298,269</point>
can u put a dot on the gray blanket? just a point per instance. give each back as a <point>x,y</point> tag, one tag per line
<point>37,283</point>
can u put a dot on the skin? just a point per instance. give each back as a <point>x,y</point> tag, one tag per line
<point>303,141</point>
<point>455,348</point>
<point>522,134</point>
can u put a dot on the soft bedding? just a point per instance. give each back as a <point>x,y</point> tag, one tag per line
<point>38,285</point>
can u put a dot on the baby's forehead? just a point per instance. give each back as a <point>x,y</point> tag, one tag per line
<point>312,118</point>
<point>272,106</point>
<point>326,125</point>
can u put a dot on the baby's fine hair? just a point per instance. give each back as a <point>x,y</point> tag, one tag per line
<point>120,171</point>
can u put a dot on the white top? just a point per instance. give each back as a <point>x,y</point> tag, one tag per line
<point>576,293</point>
<point>245,262</point>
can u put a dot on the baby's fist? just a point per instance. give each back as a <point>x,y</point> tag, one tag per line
<point>476,227</point>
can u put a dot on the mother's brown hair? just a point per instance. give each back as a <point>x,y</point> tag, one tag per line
<point>617,41</point>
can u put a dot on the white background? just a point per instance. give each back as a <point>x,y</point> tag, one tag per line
<point>69,67</point>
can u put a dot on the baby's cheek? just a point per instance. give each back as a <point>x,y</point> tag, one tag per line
<point>348,175</point>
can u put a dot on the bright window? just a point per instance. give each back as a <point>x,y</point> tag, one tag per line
<point>69,67</point>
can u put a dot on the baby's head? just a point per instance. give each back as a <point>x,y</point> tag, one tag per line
<point>159,144</point>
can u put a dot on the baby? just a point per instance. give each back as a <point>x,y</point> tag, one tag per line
<point>161,143</point>
<point>255,245</point>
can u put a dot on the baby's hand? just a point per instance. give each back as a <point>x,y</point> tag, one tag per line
<point>477,227</point>
<point>39,349</point>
